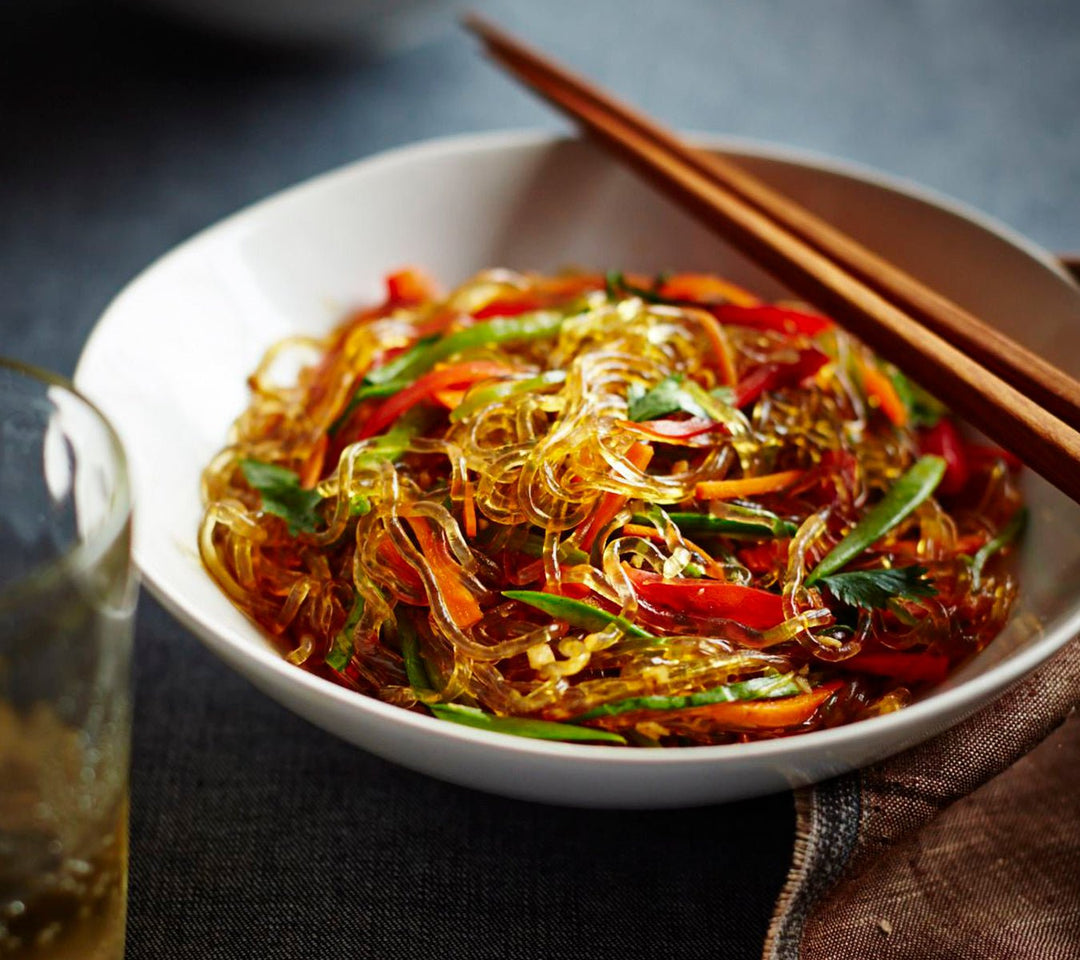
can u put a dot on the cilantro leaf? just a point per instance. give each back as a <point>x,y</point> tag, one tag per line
<point>675,394</point>
<point>282,495</point>
<point>874,589</point>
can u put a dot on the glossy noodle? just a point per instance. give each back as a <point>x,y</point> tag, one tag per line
<point>627,510</point>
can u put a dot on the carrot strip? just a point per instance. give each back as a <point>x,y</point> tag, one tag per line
<point>459,599</point>
<point>611,503</point>
<point>639,530</point>
<point>311,470</point>
<point>389,554</point>
<point>766,714</point>
<point>449,398</point>
<point>880,388</point>
<point>725,360</point>
<point>746,486</point>
<point>468,508</point>
<point>705,288</point>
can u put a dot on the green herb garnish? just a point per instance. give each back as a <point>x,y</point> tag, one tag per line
<point>282,495</point>
<point>874,589</point>
<point>674,394</point>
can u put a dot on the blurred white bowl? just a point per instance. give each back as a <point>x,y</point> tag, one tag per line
<point>169,358</point>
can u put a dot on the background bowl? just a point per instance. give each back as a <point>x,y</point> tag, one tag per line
<point>168,360</point>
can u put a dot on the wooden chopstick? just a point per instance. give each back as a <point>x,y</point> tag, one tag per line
<point>1014,363</point>
<point>1047,444</point>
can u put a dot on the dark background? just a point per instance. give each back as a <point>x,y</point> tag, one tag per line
<point>123,132</point>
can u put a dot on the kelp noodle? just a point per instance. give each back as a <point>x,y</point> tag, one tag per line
<point>626,510</point>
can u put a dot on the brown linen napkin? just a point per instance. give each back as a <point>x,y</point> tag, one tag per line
<point>967,846</point>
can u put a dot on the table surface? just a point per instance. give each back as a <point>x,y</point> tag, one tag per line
<point>253,833</point>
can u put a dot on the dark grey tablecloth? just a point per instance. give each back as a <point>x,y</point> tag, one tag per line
<point>254,834</point>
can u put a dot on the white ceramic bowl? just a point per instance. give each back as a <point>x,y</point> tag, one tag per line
<point>168,362</point>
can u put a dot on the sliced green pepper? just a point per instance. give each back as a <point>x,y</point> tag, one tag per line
<point>902,498</point>
<point>415,668</point>
<point>1006,535</point>
<point>392,444</point>
<point>341,653</point>
<point>520,726</point>
<point>421,358</point>
<point>476,399</point>
<point>758,688</point>
<point>737,522</point>
<point>576,613</point>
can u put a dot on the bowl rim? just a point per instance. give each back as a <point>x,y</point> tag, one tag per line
<point>228,642</point>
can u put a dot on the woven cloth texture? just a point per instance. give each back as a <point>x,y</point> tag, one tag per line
<point>966,846</point>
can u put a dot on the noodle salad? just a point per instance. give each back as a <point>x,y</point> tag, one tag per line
<point>645,511</point>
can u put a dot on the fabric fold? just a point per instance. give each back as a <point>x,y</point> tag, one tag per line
<point>869,845</point>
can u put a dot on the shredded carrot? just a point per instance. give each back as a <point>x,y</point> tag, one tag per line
<point>390,555</point>
<point>640,530</point>
<point>725,360</point>
<point>766,714</point>
<point>460,602</point>
<point>706,288</point>
<point>880,388</point>
<point>468,508</point>
<point>746,486</point>
<point>311,470</point>
<point>449,398</point>
<point>610,503</point>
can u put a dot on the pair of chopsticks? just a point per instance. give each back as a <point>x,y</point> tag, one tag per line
<point>1013,395</point>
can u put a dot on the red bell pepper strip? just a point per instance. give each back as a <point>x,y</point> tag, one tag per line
<point>902,667</point>
<point>408,287</point>
<point>763,557</point>
<point>773,376</point>
<point>673,431</point>
<point>456,375</point>
<point>506,307</point>
<point>757,609</point>
<point>982,454</point>
<point>766,316</point>
<point>944,440</point>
